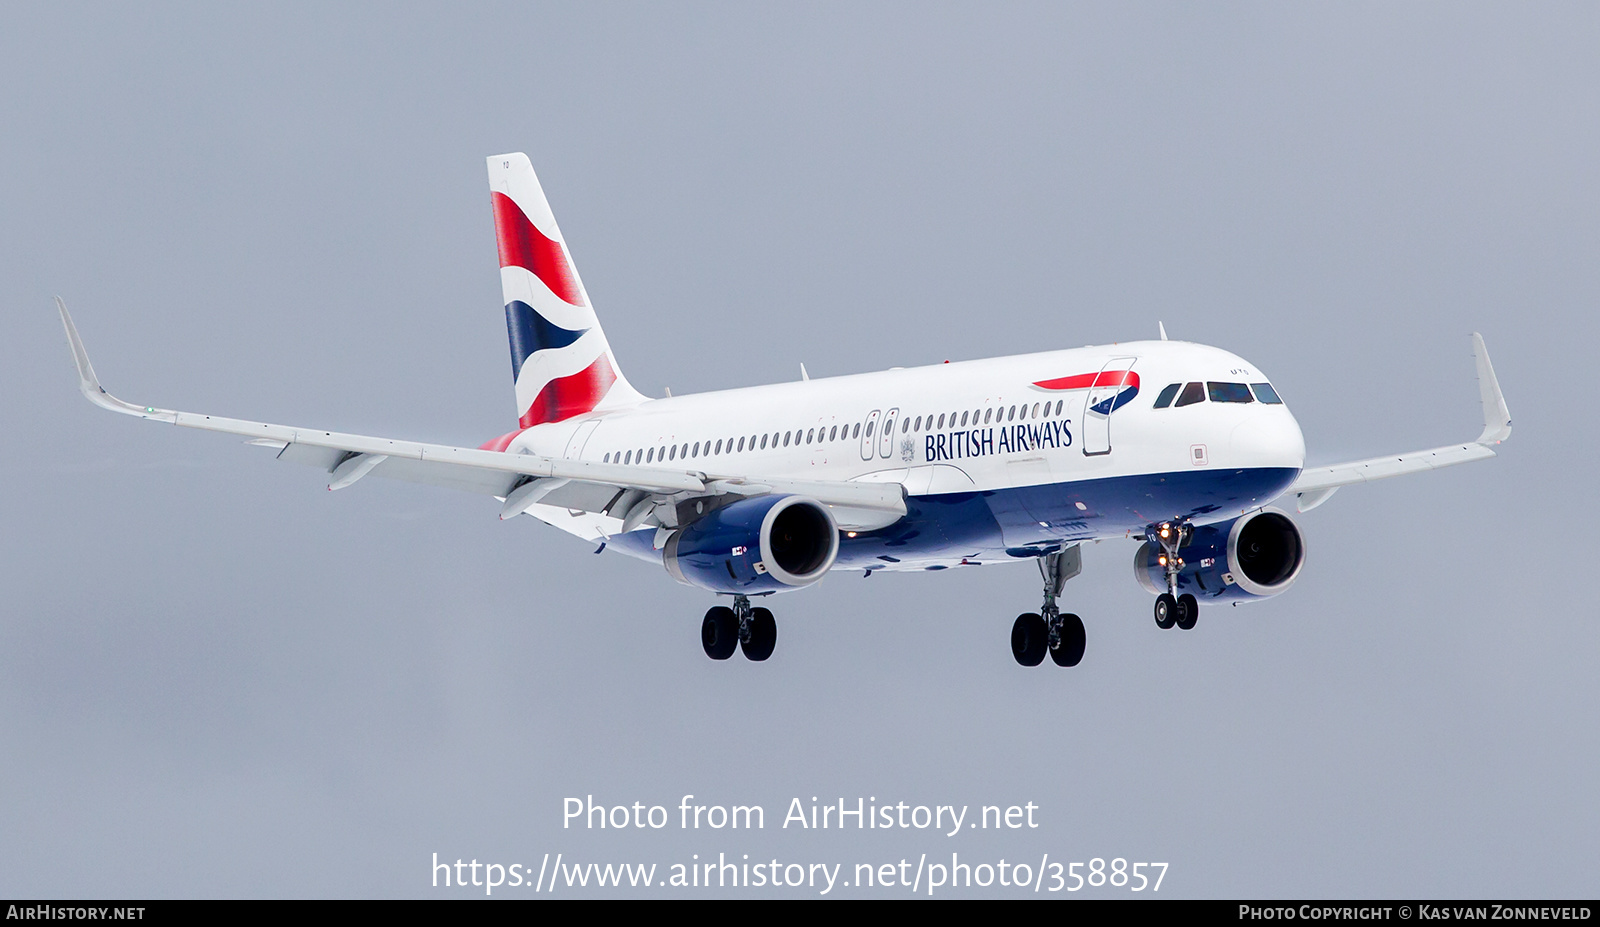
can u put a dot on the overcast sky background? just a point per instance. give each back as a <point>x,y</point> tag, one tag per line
<point>217,679</point>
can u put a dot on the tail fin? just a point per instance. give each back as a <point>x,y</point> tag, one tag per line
<point>560,359</point>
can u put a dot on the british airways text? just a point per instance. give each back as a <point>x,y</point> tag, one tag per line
<point>981,442</point>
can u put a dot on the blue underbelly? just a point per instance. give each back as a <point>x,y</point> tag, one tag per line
<point>1026,521</point>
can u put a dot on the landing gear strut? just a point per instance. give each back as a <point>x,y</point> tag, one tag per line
<point>1049,631</point>
<point>1171,608</point>
<point>742,627</point>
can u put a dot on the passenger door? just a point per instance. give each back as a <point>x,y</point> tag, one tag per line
<point>886,436</point>
<point>579,438</point>
<point>1101,401</point>
<point>867,428</point>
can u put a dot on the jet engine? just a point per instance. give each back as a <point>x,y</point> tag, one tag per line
<point>1251,557</point>
<point>766,544</point>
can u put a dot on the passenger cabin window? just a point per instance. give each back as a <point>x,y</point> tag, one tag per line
<point>1191,394</point>
<point>1165,399</point>
<point>1265,393</point>
<point>1229,392</point>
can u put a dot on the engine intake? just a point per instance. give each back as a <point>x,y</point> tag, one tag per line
<point>765,544</point>
<point>1254,556</point>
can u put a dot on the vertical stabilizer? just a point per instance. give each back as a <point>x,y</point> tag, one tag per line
<point>560,359</point>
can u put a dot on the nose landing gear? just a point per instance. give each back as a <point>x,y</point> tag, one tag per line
<point>1171,608</point>
<point>1049,631</point>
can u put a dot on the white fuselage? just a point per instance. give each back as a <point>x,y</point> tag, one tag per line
<point>972,429</point>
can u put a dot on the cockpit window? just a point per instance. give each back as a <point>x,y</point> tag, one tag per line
<point>1191,394</point>
<point>1229,392</point>
<point>1165,399</point>
<point>1265,393</point>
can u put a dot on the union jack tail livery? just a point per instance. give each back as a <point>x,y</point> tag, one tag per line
<point>560,359</point>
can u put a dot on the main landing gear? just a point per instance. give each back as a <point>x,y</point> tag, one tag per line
<point>1049,631</point>
<point>752,630</point>
<point>1171,608</point>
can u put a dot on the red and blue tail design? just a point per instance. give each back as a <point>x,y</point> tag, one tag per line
<point>560,359</point>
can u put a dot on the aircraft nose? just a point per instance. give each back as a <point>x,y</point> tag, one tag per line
<point>1272,439</point>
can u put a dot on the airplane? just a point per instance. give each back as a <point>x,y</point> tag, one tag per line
<point>750,492</point>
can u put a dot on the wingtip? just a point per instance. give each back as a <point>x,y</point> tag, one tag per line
<point>1496,415</point>
<point>89,384</point>
<point>87,381</point>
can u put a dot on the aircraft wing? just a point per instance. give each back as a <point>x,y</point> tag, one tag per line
<point>616,496</point>
<point>1316,484</point>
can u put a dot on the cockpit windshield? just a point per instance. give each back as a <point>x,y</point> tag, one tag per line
<point>1229,392</point>
<point>1265,393</point>
<point>1187,394</point>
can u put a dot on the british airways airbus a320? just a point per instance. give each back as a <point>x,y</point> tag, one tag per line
<point>749,492</point>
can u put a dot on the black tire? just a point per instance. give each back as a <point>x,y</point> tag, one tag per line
<point>719,633</point>
<point>763,635</point>
<point>1188,611</point>
<point>1166,611</point>
<point>1028,639</point>
<point>1070,650</point>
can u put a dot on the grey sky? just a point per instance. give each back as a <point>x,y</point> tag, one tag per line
<point>218,679</point>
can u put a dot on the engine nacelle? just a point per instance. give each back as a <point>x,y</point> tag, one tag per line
<point>1252,557</point>
<point>764,544</point>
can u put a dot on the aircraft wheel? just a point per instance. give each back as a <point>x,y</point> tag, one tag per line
<point>763,635</point>
<point>1028,640</point>
<point>1070,650</point>
<point>1188,611</point>
<point>719,633</point>
<point>1166,611</point>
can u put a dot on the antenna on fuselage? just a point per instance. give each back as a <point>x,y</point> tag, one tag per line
<point>1163,330</point>
<point>803,374</point>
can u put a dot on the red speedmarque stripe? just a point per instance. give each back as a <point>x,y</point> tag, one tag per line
<point>500,443</point>
<point>564,397</point>
<point>523,245</point>
<point>1086,380</point>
